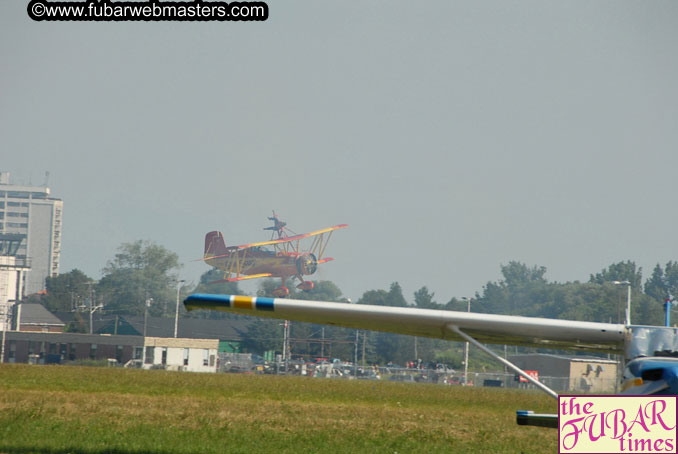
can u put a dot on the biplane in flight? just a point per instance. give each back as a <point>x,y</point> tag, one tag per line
<point>280,257</point>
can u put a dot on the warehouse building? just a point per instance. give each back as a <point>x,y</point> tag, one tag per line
<point>582,373</point>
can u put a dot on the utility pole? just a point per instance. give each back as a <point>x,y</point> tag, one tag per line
<point>92,308</point>
<point>468,309</point>
<point>176,315</point>
<point>364,339</point>
<point>4,314</point>
<point>286,343</point>
<point>628,299</point>
<point>148,304</point>
<point>355,355</point>
<point>416,354</point>
<point>91,312</point>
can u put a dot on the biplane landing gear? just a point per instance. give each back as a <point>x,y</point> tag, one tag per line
<point>306,285</point>
<point>281,292</point>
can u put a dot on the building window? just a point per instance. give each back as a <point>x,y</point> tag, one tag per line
<point>211,360</point>
<point>64,351</point>
<point>118,353</point>
<point>12,351</point>
<point>18,195</point>
<point>149,355</point>
<point>186,357</point>
<point>93,351</point>
<point>13,204</point>
<point>138,352</point>
<point>164,355</point>
<point>71,352</point>
<point>205,357</point>
<point>52,349</point>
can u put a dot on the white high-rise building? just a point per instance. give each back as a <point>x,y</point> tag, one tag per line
<point>28,210</point>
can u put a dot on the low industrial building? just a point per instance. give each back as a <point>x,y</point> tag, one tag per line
<point>583,373</point>
<point>38,337</point>
<point>229,331</point>
<point>190,355</point>
<point>59,348</point>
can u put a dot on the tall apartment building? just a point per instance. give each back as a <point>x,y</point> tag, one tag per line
<point>28,210</point>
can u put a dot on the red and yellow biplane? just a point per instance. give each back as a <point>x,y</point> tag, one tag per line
<point>283,259</point>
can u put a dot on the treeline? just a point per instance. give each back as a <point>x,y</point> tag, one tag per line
<point>144,273</point>
<point>142,276</point>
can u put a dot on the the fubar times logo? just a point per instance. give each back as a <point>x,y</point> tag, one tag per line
<point>616,424</point>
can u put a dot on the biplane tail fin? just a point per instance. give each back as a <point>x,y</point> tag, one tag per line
<point>214,244</point>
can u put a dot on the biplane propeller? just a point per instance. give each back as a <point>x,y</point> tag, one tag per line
<point>281,257</point>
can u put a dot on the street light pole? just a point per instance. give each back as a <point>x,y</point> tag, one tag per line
<point>148,304</point>
<point>286,345</point>
<point>628,299</point>
<point>4,332</point>
<point>176,315</point>
<point>468,309</point>
<point>91,312</point>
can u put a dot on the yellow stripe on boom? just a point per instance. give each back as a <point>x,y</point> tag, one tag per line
<point>243,302</point>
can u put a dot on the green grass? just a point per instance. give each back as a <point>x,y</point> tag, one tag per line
<point>59,410</point>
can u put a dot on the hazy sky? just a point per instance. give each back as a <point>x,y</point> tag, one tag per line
<point>451,136</point>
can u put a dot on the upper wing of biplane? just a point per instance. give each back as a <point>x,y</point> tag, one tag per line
<point>290,239</point>
<point>317,247</point>
<point>491,328</point>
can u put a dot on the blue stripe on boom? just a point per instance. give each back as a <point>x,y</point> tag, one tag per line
<point>209,300</point>
<point>264,304</point>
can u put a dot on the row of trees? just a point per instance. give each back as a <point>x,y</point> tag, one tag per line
<point>142,270</point>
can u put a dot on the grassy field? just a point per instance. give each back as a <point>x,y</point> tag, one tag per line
<point>61,409</point>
